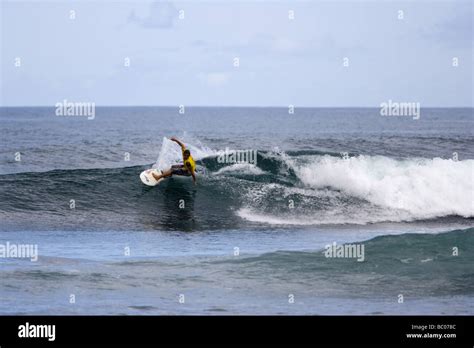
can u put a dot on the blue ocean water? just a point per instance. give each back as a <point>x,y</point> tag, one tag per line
<point>249,238</point>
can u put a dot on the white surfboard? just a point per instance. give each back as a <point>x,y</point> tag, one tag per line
<point>147,178</point>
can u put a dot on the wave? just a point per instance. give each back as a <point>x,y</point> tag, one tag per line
<point>364,189</point>
<point>424,187</point>
<point>408,260</point>
<point>297,188</point>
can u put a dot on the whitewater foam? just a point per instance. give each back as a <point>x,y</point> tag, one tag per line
<point>362,190</point>
<point>425,188</point>
<point>240,168</point>
<point>170,152</point>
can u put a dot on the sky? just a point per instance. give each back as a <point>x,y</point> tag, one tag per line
<point>80,56</point>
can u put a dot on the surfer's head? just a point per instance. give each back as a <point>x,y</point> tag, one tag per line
<point>186,154</point>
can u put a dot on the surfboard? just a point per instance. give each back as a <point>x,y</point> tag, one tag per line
<point>147,178</point>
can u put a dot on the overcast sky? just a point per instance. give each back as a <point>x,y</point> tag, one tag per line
<point>190,61</point>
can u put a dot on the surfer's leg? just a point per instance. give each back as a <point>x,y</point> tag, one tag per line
<point>167,173</point>
<point>177,169</point>
<point>164,174</point>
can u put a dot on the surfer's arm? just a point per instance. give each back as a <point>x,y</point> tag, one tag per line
<point>194,177</point>
<point>178,142</point>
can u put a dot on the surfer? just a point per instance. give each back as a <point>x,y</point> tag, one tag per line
<point>186,169</point>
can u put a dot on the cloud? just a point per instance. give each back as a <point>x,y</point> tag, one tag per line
<point>214,79</point>
<point>455,30</point>
<point>283,44</point>
<point>161,15</point>
<point>259,44</point>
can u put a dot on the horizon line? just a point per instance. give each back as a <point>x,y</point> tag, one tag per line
<point>239,106</point>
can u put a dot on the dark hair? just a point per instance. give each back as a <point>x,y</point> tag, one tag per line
<point>186,152</point>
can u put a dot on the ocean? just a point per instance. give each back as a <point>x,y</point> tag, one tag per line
<point>249,238</point>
